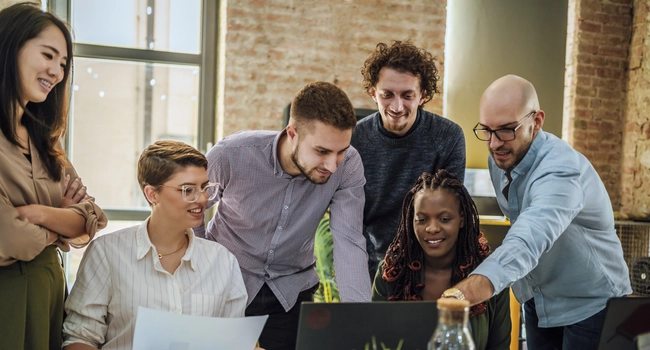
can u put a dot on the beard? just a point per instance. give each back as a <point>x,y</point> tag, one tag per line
<point>517,154</point>
<point>396,128</point>
<point>311,174</point>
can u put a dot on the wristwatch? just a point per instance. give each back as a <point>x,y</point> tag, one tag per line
<point>453,293</point>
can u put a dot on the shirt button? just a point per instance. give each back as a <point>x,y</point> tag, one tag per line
<point>505,180</point>
<point>286,207</point>
<point>535,290</point>
<point>500,284</point>
<point>266,267</point>
<point>271,251</point>
<point>279,227</point>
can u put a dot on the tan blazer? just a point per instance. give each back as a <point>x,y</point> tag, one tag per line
<point>23,183</point>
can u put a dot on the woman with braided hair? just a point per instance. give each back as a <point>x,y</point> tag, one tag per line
<point>438,243</point>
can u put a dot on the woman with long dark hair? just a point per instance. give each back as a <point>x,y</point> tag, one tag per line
<point>43,203</point>
<point>438,243</point>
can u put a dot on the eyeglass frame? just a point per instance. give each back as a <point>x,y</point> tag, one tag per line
<point>202,191</point>
<point>494,132</point>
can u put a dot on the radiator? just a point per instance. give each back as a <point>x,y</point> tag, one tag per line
<point>635,239</point>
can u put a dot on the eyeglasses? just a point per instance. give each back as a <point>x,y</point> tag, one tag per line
<point>191,193</point>
<point>503,134</point>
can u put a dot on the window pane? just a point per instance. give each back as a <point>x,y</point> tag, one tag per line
<point>119,108</point>
<point>170,25</point>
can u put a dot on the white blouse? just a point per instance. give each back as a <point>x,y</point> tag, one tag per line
<point>121,271</point>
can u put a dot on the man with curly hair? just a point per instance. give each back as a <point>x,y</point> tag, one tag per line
<point>401,140</point>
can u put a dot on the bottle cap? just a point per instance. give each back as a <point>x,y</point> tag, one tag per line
<point>452,303</point>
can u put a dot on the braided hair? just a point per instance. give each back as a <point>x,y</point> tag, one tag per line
<point>404,255</point>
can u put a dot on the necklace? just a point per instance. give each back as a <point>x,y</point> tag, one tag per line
<point>160,256</point>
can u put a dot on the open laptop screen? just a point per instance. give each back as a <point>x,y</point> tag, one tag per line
<point>625,318</point>
<point>359,326</point>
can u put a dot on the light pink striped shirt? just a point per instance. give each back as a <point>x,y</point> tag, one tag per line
<point>121,271</point>
<point>268,218</point>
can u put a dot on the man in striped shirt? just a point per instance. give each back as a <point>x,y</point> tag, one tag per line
<point>274,188</point>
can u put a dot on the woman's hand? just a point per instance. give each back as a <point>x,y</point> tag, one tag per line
<point>52,237</point>
<point>74,192</point>
<point>65,222</point>
<point>31,213</point>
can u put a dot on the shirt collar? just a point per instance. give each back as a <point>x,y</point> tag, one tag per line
<point>144,245</point>
<point>277,168</point>
<point>275,161</point>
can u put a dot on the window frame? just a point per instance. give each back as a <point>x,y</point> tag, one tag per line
<point>206,60</point>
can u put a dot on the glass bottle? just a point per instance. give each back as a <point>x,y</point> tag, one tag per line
<point>452,332</point>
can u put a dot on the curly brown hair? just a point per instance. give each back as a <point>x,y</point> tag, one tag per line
<point>403,57</point>
<point>404,255</point>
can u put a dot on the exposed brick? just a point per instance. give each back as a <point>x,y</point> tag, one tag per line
<point>613,51</point>
<point>590,27</point>
<point>600,17</point>
<point>274,47</point>
<point>616,30</point>
<point>620,20</point>
<point>582,102</point>
<point>609,73</point>
<point>611,94</point>
<point>582,115</point>
<point>586,70</point>
<point>585,91</point>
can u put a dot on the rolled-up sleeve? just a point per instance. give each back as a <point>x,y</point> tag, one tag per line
<point>95,221</point>
<point>19,239</point>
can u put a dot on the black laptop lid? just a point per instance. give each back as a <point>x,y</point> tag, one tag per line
<point>352,326</point>
<point>625,318</point>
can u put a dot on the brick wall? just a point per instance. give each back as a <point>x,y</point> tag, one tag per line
<point>635,177</point>
<point>595,104</point>
<point>274,47</point>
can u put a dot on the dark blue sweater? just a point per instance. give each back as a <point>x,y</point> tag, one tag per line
<point>393,164</point>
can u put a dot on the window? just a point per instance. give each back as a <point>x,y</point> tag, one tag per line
<point>144,70</point>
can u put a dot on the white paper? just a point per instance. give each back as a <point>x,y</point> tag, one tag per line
<point>161,330</point>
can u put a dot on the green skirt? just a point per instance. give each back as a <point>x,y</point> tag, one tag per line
<point>31,303</point>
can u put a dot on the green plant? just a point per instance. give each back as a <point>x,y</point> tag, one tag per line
<point>324,250</point>
<point>383,346</point>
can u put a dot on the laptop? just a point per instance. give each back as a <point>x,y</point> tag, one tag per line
<point>625,318</point>
<point>366,326</point>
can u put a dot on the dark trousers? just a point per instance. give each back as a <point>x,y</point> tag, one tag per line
<point>281,328</point>
<point>583,335</point>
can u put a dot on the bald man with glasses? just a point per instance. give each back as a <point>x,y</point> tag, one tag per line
<point>561,255</point>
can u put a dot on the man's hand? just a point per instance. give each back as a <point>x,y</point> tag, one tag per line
<point>74,192</point>
<point>476,289</point>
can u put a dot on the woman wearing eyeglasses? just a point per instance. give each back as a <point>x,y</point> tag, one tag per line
<point>158,264</point>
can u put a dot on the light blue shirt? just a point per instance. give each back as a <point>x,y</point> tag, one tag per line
<point>562,247</point>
